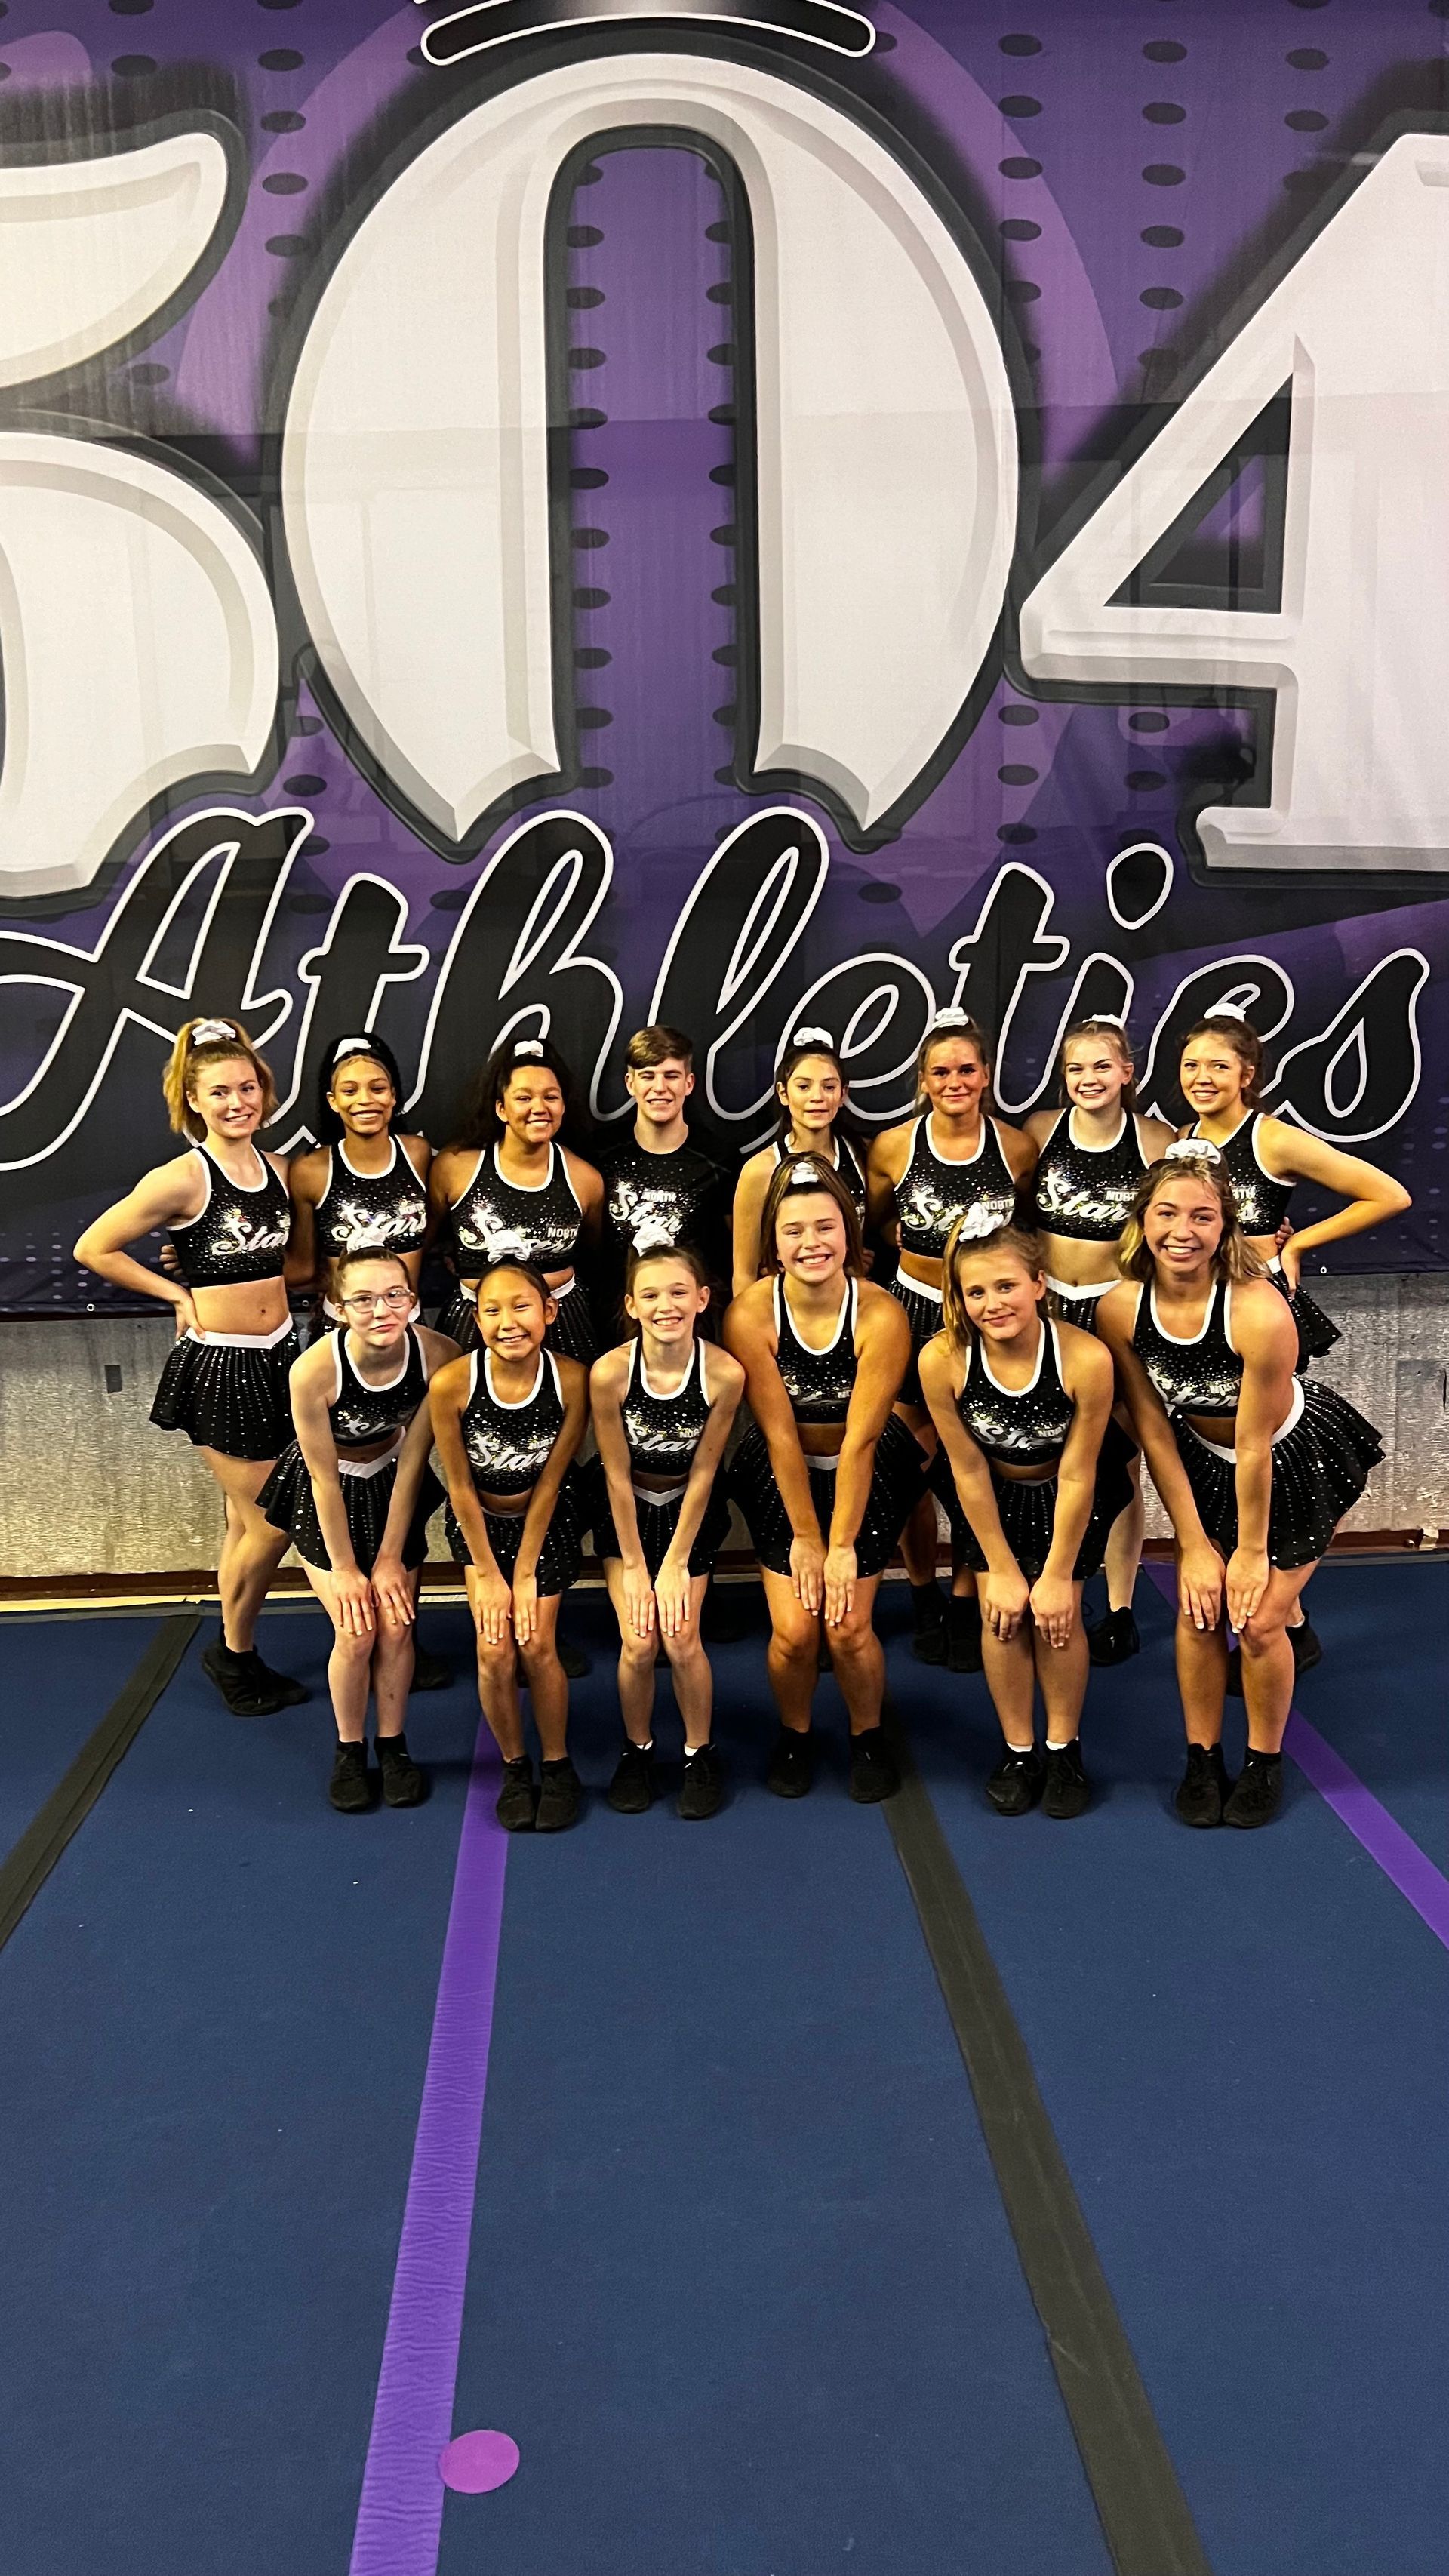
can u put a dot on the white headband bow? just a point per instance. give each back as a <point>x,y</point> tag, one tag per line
<point>950,1016</point>
<point>813,1037</point>
<point>1191,1149</point>
<point>352,1046</point>
<point>1110,1020</point>
<point>504,1245</point>
<point>528,1046</point>
<point>651,1236</point>
<point>805,1176</point>
<point>206,1030</point>
<point>977,1223</point>
<point>1227,1011</point>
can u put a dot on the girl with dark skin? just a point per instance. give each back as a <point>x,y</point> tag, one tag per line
<point>510,1172</point>
<point>814,1118</point>
<point>923,1175</point>
<point>508,1418</point>
<point>364,1175</point>
<point>826,1476</point>
<point>1255,1465</point>
<point>225,1382</point>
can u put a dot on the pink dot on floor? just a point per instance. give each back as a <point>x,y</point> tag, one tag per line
<point>474,2463</point>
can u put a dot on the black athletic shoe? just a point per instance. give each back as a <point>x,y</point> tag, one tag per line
<point>1307,1648</point>
<point>575,1662</point>
<point>429,1671</point>
<point>873,1775</point>
<point>1254,1801</point>
<point>517,1801</point>
<point>928,1611</point>
<point>1114,1640</point>
<point>290,1693</point>
<point>403,1784</point>
<point>1202,1792</point>
<point>1016,1783</point>
<point>631,1791</point>
<point>792,1764</point>
<point>350,1787</point>
<point>963,1635</point>
<point>560,1797</point>
<point>248,1689</point>
<point>1068,1791</point>
<point>701,1792</point>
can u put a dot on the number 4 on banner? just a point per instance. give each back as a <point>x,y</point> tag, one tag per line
<point>1357,653</point>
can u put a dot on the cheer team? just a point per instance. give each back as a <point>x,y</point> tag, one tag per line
<point>1065,1299</point>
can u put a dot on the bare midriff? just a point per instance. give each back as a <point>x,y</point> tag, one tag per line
<point>255,1306</point>
<point>555,1279</point>
<point>821,1439</point>
<point>1078,1264</point>
<point>920,1265</point>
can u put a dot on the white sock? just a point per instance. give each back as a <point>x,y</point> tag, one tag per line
<point>641,1748</point>
<point>1021,1748</point>
<point>1059,1748</point>
<point>690,1750</point>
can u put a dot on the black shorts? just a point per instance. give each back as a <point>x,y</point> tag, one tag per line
<point>924,1315</point>
<point>288,1502</point>
<point>229,1397</point>
<point>898,1480</point>
<point>1028,1511</point>
<point>658,1523</point>
<point>558,1558</point>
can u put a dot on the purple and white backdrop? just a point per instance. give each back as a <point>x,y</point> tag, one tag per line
<point>562,514</point>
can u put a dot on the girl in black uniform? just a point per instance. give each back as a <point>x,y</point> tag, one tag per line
<point>354,1495</point>
<point>362,1177</point>
<point>662,1408</point>
<point>508,1419</point>
<point>1032,1471</point>
<point>814,1118</point>
<point>828,1473</point>
<point>225,1382</point>
<point>510,1173</point>
<point>1091,1156</point>
<point>1255,1465</point>
<point>922,1176</point>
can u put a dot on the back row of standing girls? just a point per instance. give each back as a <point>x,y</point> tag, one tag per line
<point>852,1437</point>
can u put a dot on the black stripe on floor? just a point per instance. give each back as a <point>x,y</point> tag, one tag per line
<point>26,1868</point>
<point>1143,2511</point>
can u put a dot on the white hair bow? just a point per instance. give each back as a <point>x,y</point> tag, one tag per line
<point>504,1245</point>
<point>977,1223</point>
<point>350,1046</point>
<point>653,1237</point>
<point>1110,1020</point>
<point>1227,1011</point>
<point>528,1046</point>
<point>805,1176</point>
<point>813,1037</point>
<point>1192,1149</point>
<point>950,1016</point>
<point>206,1030</point>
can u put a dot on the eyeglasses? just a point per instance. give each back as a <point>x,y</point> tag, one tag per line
<point>394,1299</point>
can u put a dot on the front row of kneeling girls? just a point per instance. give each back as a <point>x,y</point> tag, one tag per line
<point>1254,1465</point>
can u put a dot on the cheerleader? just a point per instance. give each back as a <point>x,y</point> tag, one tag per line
<point>1255,1465</point>
<point>813,1098</point>
<point>1032,1471</point>
<point>659,1174</point>
<point>922,1176</point>
<point>225,1206</point>
<point>828,1473</point>
<point>1091,1155</point>
<point>508,1418</point>
<point>353,1494</point>
<point>509,1173</point>
<point>663,1405</point>
<point>362,1177</point>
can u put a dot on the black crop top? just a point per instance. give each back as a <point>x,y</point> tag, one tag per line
<point>1022,1426</point>
<point>1262,1201</point>
<point>240,1235</point>
<point>1201,1376</point>
<point>664,1431</point>
<point>847,1169</point>
<point>393,1205</point>
<point>359,1413</point>
<point>819,1384</point>
<point>546,1218</point>
<point>1085,1192</point>
<point>930,1194</point>
<point>509,1445</point>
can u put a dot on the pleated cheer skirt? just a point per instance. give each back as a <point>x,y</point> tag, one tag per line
<point>1317,1332</point>
<point>898,1480</point>
<point>923,1314</point>
<point>658,1523</point>
<point>288,1502</point>
<point>1028,1511</point>
<point>558,1558</point>
<point>571,1333</point>
<point>226,1397</point>
<point>1320,1468</point>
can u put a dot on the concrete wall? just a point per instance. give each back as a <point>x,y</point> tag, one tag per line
<point>87,1486</point>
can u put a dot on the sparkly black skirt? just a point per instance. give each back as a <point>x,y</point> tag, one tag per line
<point>571,1333</point>
<point>288,1502</point>
<point>658,1523</point>
<point>898,1480</point>
<point>925,1319</point>
<point>1028,1511</point>
<point>234,1401</point>
<point>558,1558</point>
<point>1320,1468</point>
<point>1081,1311</point>
<point>1317,1332</point>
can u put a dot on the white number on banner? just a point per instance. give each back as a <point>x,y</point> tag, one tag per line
<point>1358,651</point>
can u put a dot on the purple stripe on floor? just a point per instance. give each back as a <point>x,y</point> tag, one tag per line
<point>399,2519</point>
<point>1396,1854</point>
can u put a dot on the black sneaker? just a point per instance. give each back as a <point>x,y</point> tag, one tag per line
<point>1254,1801</point>
<point>517,1801</point>
<point>631,1791</point>
<point>575,1662</point>
<point>1307,1647</point>
<point>963,1635</point>
<point>403,1784</point>
<point>429,1671</point>
<point>1202,1792</point>
<point>350,1787</point>
<point>701,1792</point>
<point>928,1612</point>
<point>1016,1783</point>
<point>560,1797</point>
<point>245,1684</point>
<point>873,1775</point>
<point>1068,1790</point>
<point>1114,1640</point>
<point>792,1764</point>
